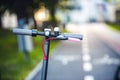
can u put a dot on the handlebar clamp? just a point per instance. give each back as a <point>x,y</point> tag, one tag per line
<point>34,32</point>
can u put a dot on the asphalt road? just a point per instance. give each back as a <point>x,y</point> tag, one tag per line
<point>90,59</point>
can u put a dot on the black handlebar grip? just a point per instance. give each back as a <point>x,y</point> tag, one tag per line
<point>22,31</point>
<point>74,36</point>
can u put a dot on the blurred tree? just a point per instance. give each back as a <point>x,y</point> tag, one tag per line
<point>66,4</point>
<point>4,4</point>
<point>51,6</point>
<point>23,8</point>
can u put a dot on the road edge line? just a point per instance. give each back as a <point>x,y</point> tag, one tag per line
<point>32,74</point>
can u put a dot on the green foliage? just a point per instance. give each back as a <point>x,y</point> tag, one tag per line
<point>50,4</point>
<point>108,0</point>
<point>114,26</point>
<point>13,65</point>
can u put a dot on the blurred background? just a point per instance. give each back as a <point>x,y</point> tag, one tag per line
<point>97,20</point>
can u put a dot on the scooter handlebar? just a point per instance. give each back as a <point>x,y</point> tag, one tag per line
<point>35,32</point>
<point>78,36</point>
<point>22,31</point>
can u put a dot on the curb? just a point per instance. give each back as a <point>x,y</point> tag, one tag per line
<point>32,74</point>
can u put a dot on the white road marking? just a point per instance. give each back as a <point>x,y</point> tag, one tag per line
<point>85,50</point>
<point>87,66</point>
<point>106,59</point>
<point>34,72</point>
<point>89,77</point>
<point>85,44</point>
<point>65,59</point>
<point>86,57</point>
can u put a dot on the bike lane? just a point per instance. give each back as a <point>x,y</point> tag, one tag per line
<point>90,59</point>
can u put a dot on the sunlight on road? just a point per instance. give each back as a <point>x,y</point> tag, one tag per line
<point>86,27</point>
<point>77,28</point>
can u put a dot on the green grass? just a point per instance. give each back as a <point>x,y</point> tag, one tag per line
<point>114,26</point>
<point>13,65</point>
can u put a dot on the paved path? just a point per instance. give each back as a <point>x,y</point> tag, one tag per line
<point>91,59</point>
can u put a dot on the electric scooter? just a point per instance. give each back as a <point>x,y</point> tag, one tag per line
<point>49,35</point>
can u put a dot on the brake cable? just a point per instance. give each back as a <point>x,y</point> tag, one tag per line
<point>44,54</point>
